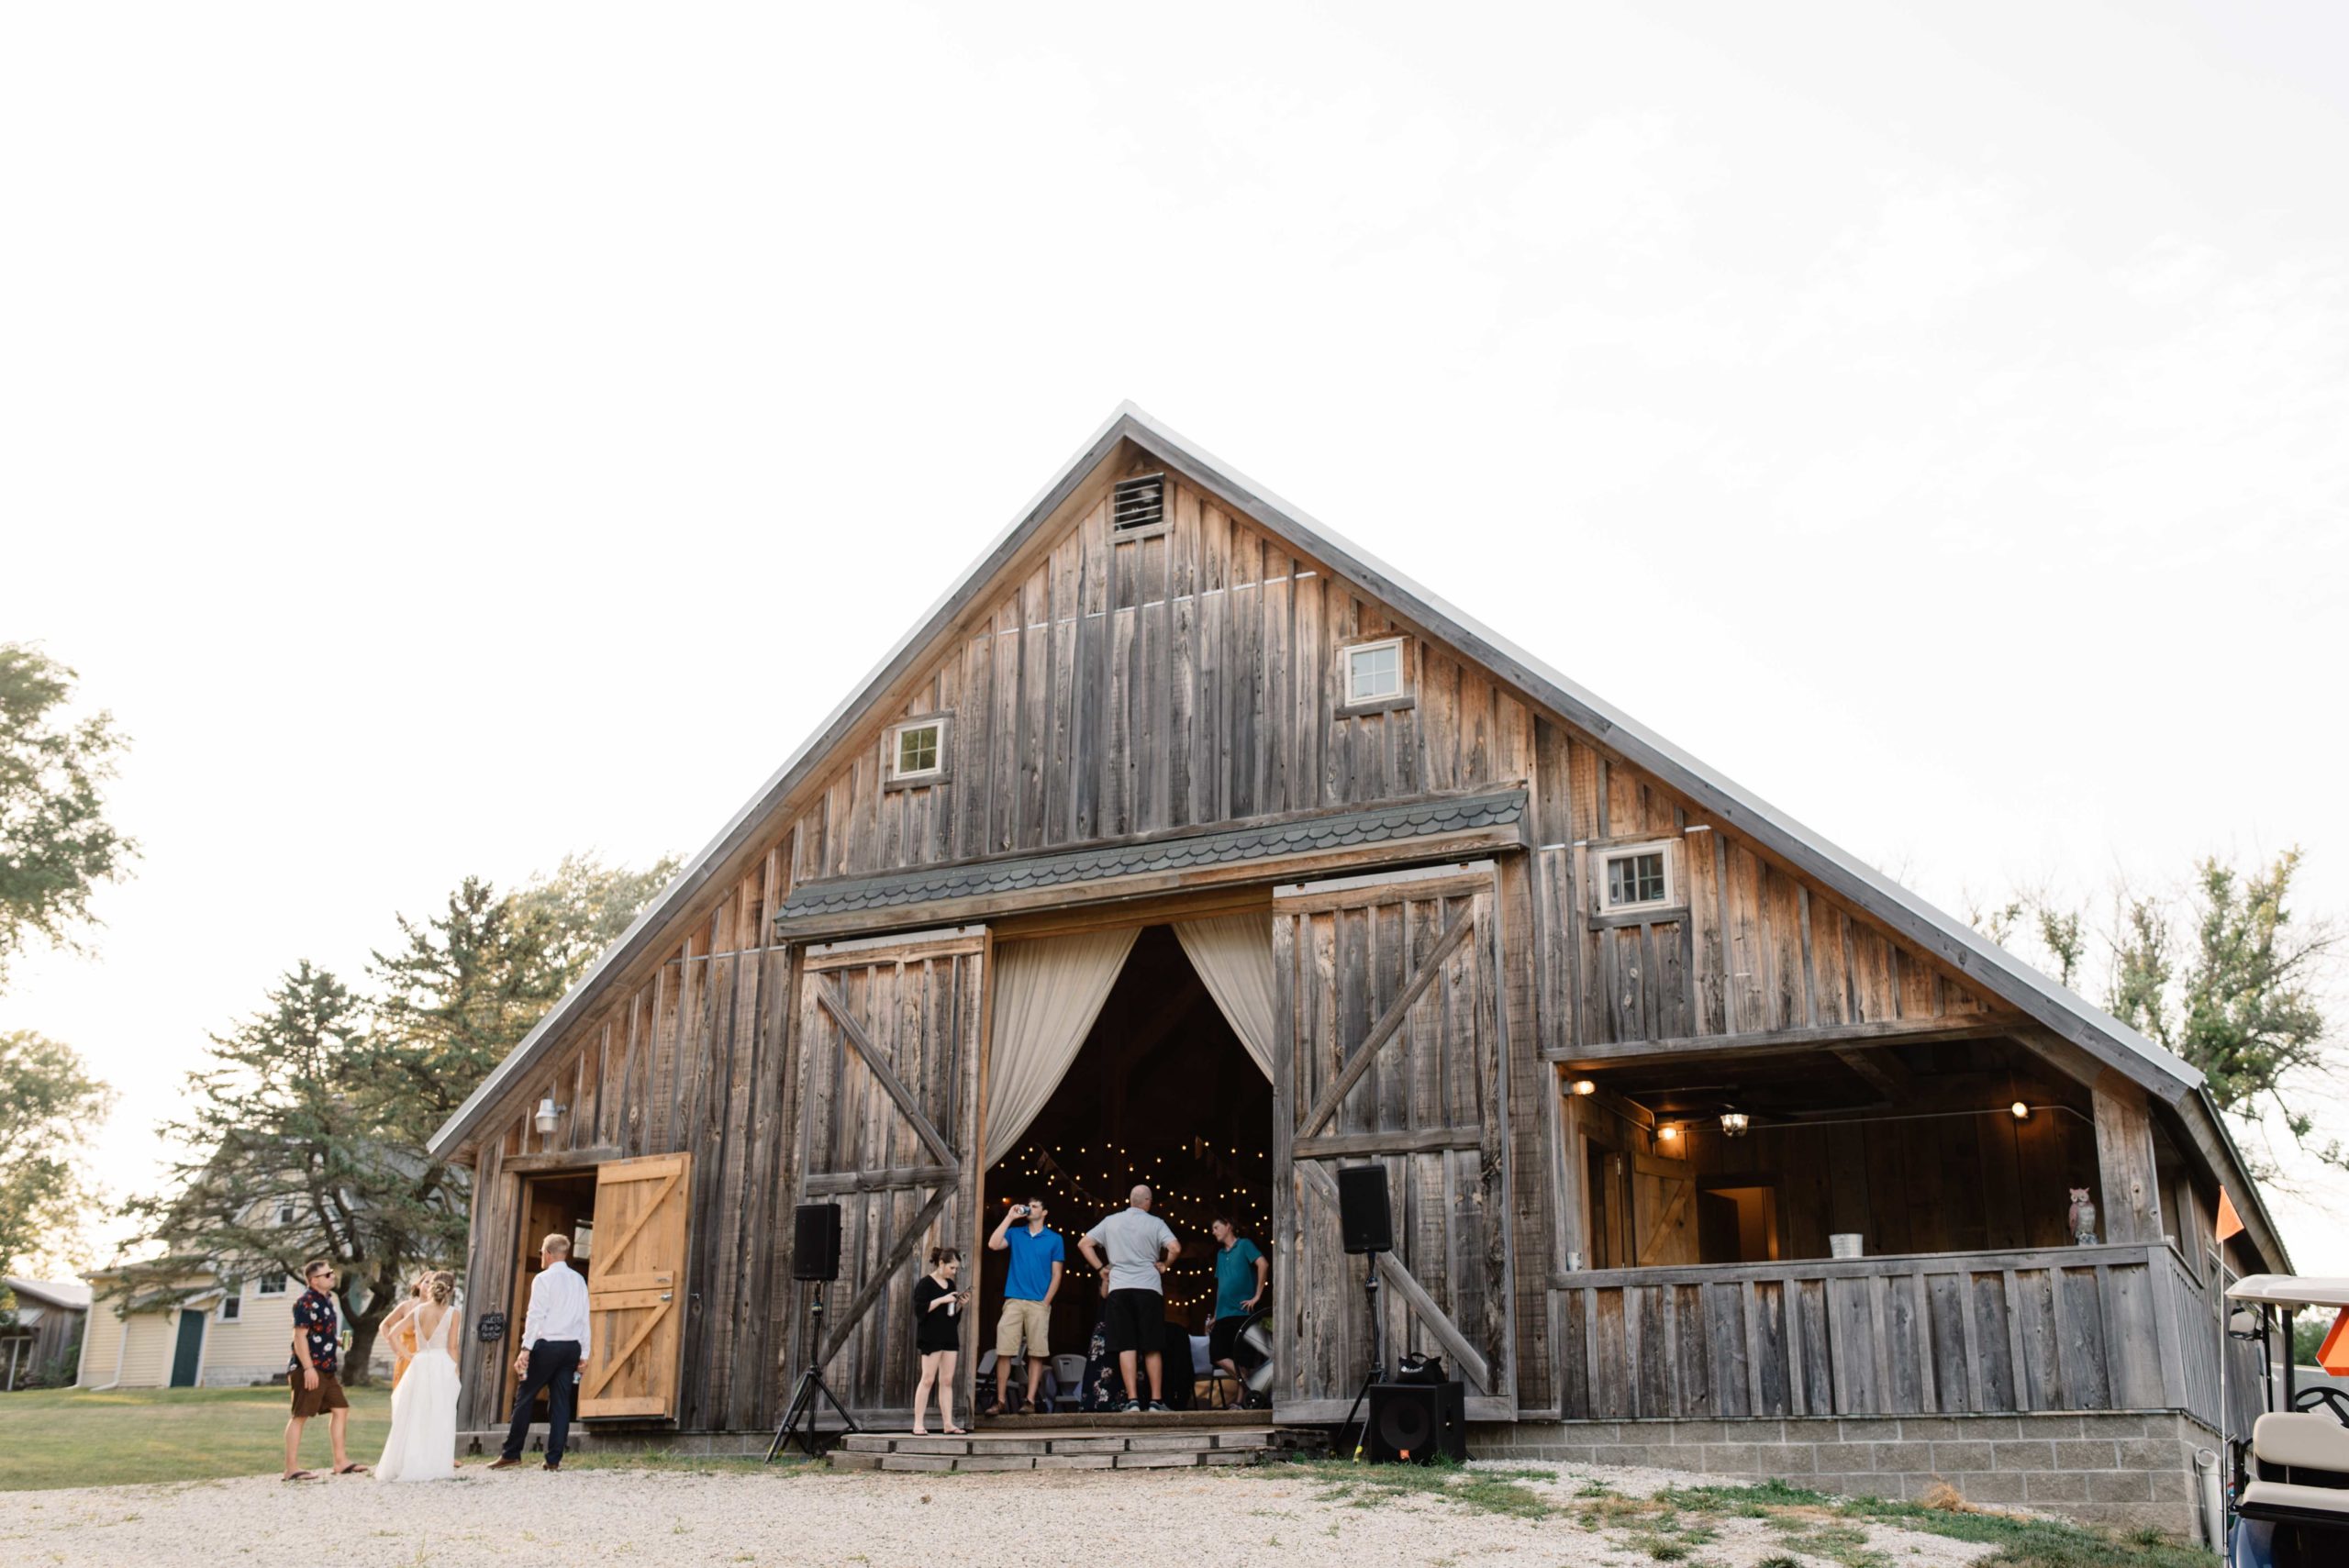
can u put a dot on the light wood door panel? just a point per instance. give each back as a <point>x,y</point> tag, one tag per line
<point>635,1308</point>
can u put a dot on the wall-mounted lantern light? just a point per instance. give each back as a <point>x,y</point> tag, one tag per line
<point>1668,1132</point>
<point>1582,1086</point>
<point>2021,1112</point>
<point>550,1115</point>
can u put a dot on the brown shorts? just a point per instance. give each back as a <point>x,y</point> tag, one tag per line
<point>310,1402</point>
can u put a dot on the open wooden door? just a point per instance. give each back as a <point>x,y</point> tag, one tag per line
<point>1393,1053</point>
<point>1664,1211</point>
<point>891,1033</point>
<point>635,1311</point>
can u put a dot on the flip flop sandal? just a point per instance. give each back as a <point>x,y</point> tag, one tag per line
<point>352,1470</point>
<point>303,1475</point>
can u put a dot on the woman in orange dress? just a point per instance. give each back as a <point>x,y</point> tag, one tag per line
<point>400,1331</point>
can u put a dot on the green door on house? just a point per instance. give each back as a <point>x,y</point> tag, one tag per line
<point>188,1354</point>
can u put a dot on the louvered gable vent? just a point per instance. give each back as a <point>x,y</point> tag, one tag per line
<point>1139,503</point>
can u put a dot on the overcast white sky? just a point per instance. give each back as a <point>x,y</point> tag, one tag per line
<point>450,436</point>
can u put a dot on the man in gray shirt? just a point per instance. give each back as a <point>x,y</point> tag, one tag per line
<point>1140,1247</point>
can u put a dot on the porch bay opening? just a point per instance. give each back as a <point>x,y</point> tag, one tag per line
<point>1963,1224</point>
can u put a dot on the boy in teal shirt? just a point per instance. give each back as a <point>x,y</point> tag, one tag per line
<point>1239,1274</point>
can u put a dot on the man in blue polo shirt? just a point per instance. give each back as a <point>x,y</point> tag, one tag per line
<point>1029,1283</point>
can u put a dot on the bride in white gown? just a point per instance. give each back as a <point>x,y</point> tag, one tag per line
<point>423,1445</point>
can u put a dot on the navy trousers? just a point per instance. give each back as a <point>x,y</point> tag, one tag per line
<point>553,1364</point>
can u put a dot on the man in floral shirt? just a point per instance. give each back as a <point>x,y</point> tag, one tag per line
<point>318,1354</point>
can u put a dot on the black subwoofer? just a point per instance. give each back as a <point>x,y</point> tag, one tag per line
<point>816,1242</point>
<point>1362,1217</point>
<point>1413,1423</point>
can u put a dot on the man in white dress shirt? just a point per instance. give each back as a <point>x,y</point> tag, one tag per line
<point>552,1348</point>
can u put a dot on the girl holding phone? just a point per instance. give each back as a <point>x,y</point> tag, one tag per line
<point>937,1334</point>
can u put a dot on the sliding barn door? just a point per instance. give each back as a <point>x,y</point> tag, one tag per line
<point>890,1034</point>
<point>1393,1055</point>
<point>635,1311</point>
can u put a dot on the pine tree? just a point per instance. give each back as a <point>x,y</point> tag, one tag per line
<point>326,1101</point>
<point>293,1157</point>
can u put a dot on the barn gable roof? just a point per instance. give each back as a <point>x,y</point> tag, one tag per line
<point>2062,1011</point>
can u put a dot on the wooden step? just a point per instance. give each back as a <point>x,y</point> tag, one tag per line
<point>1049,1446</point>
<point>1166,1420</point>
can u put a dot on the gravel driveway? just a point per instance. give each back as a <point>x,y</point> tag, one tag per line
<point>1278,1516</point>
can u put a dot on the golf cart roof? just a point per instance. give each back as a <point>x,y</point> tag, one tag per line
<point>2289,1290</point>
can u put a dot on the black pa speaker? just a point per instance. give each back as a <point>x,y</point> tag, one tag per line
<point>1413,1423</point>
<point>1362,1209</point>
<point>816,1242</point>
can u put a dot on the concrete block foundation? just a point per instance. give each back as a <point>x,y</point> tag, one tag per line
<point>2129,1470</point>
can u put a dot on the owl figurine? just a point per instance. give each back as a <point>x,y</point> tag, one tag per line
<point>2081,1218</point>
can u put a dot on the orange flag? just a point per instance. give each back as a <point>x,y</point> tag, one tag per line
<point>2230,1222</point>
<point>2334,1355</point>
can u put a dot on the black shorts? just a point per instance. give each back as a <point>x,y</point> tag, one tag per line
<point>1223,1338</point>
<point>1136,1320</point>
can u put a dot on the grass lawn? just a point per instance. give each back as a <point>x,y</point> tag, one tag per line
<point>1675,1525</point>
<point>68,1436</point>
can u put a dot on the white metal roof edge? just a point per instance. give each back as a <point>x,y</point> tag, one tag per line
<point>2291,1290</point>
<point>1956,943</point>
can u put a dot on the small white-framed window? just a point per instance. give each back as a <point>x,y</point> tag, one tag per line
<point>916,752</point>
<point>1638,876</point>
<point>232,1305</point>
<point>1377,675</point>
<point>285,1213</point>
<point>270,1285</point>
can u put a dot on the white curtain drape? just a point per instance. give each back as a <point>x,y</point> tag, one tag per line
<point>1233,953</point>
<point>1047,992</point>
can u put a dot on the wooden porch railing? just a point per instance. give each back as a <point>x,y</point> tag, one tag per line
<point>2108,1328</point>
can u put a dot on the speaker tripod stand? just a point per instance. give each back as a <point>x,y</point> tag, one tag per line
<point>810,1388</point>
<point>1378,1358</point>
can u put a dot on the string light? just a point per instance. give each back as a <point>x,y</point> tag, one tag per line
<point>1100,1181</point>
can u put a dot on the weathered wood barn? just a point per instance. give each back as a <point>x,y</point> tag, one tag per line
<point>1707,1143</point>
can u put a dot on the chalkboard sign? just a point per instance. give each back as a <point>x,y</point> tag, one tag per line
<point>491,1329</point>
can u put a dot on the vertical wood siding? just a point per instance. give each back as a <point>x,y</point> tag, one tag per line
<point>1748,947</point>
<point>1132,686</point>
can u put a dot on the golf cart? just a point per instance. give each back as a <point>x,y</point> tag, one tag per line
<point>2290,1492</point>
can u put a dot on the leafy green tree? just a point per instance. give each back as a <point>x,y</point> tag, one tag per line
<point>49,1105</point>
<point>289,1158</point>
<point>56,844</point>
<point>2239,1001</point>
<point>2309,1329</point>
<point>2225,973</point>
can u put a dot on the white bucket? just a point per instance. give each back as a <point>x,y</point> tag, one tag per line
<point>1844,1244</point>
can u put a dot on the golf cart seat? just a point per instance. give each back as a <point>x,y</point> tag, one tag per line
<point>2307,1456</point>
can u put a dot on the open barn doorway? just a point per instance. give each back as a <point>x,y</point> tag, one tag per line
<point>1161,1092</point>
<point>554,1203</point>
